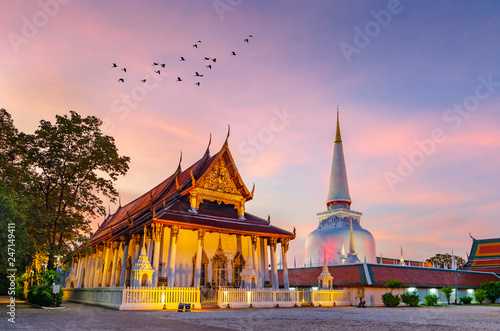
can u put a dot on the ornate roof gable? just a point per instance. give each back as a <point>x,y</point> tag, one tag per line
<point>220,182</point>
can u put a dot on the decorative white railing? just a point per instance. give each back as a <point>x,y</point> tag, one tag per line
<point>240,297</point>
<point>159,297</point>
<point>330,298</point>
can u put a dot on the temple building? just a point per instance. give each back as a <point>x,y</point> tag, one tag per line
<point>484,255</point>
<point>190,231</point>
<point>339,238</point>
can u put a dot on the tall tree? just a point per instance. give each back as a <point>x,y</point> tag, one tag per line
<point>72,166</point>
<point>445,259</point>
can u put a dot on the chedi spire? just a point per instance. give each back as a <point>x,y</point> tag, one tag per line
<point>338,194</point>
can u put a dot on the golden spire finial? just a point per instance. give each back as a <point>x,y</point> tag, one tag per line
<point>338,139</point>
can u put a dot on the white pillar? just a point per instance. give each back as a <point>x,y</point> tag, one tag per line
<point>92,267</point>
<point>156,234</point>
<point>126,242</point>
<point>265,261</point>
<point>87,270</point>
<point>284,250</point>
<point>81,262</point>
<point>165,242</point>
<point>95,275</point>
<point>199,252</point>
<point>137,242</point>
<point>116,249</point>
<point>104,271</point>
<point>150,248</point>
<point>273,242</point>
<point>172,253</point>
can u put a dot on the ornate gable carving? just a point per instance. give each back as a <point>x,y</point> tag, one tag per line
<point>219,179</point>
<point>220,184</point>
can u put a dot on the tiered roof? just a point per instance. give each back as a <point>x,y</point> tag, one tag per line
<point>484,255</point>
<point>170,202</point>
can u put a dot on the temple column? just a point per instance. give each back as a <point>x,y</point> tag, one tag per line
<point>156,234</point>
<point>264,261</point>
<point>273,242</point>
<point>126,242</point>
<point>104,271</point>
<point>90,281</point>
<point>96,265</point>
<point>199,253</point>
<point>116,249</point>
<point>172,253</point>
<point>88,276</point>
<point>254,250</point>
<point>137,242</point>
<point>80,270</point>
<point>164,251</point>
<point>284,250</point>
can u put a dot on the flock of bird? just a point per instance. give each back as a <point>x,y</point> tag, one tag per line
<point>160,66</point>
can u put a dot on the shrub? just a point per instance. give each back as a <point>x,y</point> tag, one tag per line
<point>391,300</point>
<point>42,295</point>
<point>492,290</point>
<point>431,299</point>
<point>480,295</point>
<point>447,290</point>
<point>465,300</point>
<point>411,298</point>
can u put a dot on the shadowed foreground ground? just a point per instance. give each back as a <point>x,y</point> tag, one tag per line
<point>83,317</point>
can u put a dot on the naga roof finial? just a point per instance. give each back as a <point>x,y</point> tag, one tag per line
<point>228,133</point>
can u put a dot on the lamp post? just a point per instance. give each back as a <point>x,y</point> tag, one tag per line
<point>456,287</point>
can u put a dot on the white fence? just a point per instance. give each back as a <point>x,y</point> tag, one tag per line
<point>159,297</point>
<point>135,298</point>
<point>330,298</point>
<point>256,298</point>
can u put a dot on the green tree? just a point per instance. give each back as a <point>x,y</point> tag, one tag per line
<point>445,259</point>
<point>480,295</point>
<point>72,165</point>
<point>389,299</point>
<point>447,291</point>
<point>491,290</point>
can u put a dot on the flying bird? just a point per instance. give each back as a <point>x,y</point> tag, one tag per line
<point>196,74</point>
<point>155,63</point>
<point>114,65</point>
<point>158,71</point>
<point>245,40</point>
<point>195,46</point>
<point>206,58</point>
<point>198,83</point>
<point>250,36</point>
<point>143,80</point>
<point>209,66</point>
<point>162,65</point>
<point>124,69</point>
<point>233,53</point>
<point>214,59</point>
<point>179,79</point>
<point>121,80</point>
<point>182,58</point>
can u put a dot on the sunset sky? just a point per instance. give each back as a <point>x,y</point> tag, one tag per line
<point>417,84</point>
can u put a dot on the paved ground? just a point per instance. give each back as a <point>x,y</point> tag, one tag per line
<point>83,317</point>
